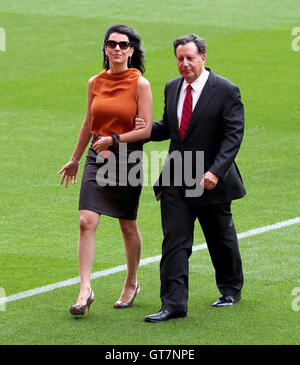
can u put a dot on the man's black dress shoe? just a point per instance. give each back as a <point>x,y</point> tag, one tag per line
<point>226,300</point>
<point>164,315</point>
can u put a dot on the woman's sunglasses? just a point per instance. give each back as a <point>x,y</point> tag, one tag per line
<point>113,44</point>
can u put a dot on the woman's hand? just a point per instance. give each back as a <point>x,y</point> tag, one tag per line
<point>102,144</point>
<point>70,172</point>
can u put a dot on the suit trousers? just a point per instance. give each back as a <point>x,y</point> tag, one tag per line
<point>178,219</point>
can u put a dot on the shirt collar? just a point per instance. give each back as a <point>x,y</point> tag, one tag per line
<point>199,83</point>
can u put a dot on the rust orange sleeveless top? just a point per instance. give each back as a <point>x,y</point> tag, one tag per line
<point>114,105</point>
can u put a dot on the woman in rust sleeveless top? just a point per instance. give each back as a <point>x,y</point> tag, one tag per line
<point>115,97</point>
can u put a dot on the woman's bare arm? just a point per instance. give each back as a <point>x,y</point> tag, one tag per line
<point>70,169</point>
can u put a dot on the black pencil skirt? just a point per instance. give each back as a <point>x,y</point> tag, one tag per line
<point>112,185</point>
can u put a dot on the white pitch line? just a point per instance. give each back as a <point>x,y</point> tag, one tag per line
<point>146,261</point>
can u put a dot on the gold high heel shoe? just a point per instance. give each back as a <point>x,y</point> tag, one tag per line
<point>79,309</point>
<point>120,304</point>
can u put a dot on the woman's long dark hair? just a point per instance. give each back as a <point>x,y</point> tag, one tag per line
<point>137,59</point>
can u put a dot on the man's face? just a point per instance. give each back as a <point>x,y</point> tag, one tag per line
<point>189,62</point>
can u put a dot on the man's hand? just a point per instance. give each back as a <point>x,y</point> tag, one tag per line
<point>209,180</point>
<point>139,123</point>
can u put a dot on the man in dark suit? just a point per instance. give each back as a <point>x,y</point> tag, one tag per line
<point>202,112</point>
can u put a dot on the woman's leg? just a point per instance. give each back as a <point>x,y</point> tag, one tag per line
<point>133,246</point>
<point>86,249</point>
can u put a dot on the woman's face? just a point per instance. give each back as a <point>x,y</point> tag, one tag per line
<point>118,55</point>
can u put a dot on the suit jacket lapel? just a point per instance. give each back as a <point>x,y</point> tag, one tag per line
<point>174,101</point>
<point>205,97</point>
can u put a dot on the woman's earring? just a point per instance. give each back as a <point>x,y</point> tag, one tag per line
<point>129,61</point>
<point>106,61</point>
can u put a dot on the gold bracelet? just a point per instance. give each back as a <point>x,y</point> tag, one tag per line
<point>73,159</point>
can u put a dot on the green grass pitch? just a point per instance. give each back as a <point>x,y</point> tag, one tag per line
<point>52,49</point>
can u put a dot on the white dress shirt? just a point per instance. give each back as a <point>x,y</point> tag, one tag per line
<point>197,86</point>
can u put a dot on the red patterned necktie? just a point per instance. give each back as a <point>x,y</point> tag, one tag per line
<point>186,111</point>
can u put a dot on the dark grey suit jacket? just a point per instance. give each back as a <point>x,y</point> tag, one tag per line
<point>216,127</point>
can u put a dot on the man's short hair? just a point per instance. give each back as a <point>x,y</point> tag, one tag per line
<point>200,42</point>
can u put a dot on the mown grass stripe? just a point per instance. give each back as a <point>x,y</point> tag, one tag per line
<point>143,262</point>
